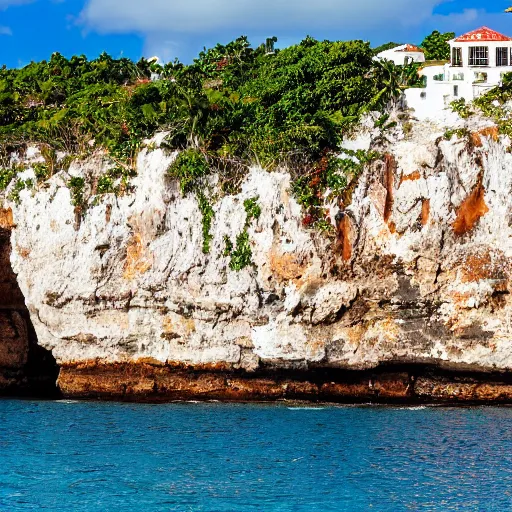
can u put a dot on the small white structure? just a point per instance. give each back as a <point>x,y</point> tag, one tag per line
<point>402,55</point>
<point>479,59</point>
<point>154,75</point>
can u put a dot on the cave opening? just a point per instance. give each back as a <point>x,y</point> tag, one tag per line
<point>26,369</point>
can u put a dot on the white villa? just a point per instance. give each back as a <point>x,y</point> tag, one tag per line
<point>402,55</point>
<point>479,59</point>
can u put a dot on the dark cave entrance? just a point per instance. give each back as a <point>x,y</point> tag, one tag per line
<point>26,369</point>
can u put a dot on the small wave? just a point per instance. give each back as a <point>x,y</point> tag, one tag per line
<point>306,408</point>
<point>67,401</point>
<point>411,408</point>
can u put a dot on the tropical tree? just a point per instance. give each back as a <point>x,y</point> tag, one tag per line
<point>391,81</point>
<point>386,46</point>
<point>436,45</point>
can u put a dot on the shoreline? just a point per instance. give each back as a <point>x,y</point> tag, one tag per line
<point>399,384</point>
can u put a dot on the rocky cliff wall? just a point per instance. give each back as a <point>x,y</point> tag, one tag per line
<point>411,299</point>
<point>25,367</point>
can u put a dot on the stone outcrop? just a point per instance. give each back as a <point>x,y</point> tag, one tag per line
<point>25,367</point>
<point>410,301</point>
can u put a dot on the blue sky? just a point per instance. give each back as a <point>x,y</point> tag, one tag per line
<point>33,29</point>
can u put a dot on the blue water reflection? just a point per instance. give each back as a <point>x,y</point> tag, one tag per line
<point>69,456</point>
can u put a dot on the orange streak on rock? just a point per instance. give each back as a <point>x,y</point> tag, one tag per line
<point>416,175</point>
<point>470,211</point>
<point>285,267</point>
<point>6,219</point>
<point>425,212</point>
<point>476,140</point>
<point>492,132</point>
<point>343,238</point>
<point>389,180</point>
<point>138,259</point>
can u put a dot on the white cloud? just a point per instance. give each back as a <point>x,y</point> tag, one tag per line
<point>266,16</point>
<point>182,27</point>
<point>462,18</point>
<point>5,31</point>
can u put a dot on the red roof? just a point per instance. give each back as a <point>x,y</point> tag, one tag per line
<point>482,34</point>
<point>411,48</point>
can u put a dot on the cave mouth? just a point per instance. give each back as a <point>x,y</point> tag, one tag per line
<point>26,369</point>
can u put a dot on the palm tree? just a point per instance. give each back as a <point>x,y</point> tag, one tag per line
<point>391,81</point>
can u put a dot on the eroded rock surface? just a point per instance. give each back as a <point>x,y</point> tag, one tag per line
<point>419,275</point>
<point>24,367</point>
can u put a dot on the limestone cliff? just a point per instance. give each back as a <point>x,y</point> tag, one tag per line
<point>412,298</point>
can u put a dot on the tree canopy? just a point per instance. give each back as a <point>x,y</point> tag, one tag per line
<point>386,46</point>
<point>233,101</point>
<point>436,45</point>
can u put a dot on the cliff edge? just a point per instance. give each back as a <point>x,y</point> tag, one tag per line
<point>406,297</point>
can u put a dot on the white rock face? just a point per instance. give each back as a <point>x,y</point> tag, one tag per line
<point>423,282</point>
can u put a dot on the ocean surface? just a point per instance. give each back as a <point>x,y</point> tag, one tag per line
<point>70,456</point>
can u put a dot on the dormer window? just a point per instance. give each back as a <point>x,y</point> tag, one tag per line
<point>502,56</point>
<point>478,55</point>
<point>457,57</point>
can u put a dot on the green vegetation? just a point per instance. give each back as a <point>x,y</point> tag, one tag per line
<point>252,209</point>
<point>436,45</point>
<point>233,100</point>
<point>493,104</point>
<point>20,185</point>
<point>234,106</point>
<point>391,81</point>
<point>461,133</point>
<point>462,108</point>
<point>189,168</point>
<point>208,214</point>
<point>329,179</point>
<point>76,186</point>
<point>233,103</point>
<point>386,46</point>
<point>6,176</point>
<point>241,257</point>
<point>241,254</point>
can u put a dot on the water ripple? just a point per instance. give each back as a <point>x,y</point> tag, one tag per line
<point>217,457</point>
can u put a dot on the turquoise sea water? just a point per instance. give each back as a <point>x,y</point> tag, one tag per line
<point>69,456</point>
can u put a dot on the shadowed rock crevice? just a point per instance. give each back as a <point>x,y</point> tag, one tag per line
<point>25,368</point>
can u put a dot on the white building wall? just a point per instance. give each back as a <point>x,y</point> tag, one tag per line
<point>433,102</point>
<point>493,71</point>
<point>398,56</point>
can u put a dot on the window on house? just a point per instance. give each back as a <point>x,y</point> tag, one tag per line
<point>501,56</point>
<point>480,78</point>
<point>457,57</point>
<point>456,91</point>
<point>478,55</point>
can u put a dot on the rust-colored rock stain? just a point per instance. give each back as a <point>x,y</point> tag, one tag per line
<point>6,219</point>
<point>144,381</point>
<point>470,211</point>
<point>138,259</point>
<point>414,176</point>
<point>425,212</point>
<point>389,181</point>
<point>285,267</point>
<point>343,238</point>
